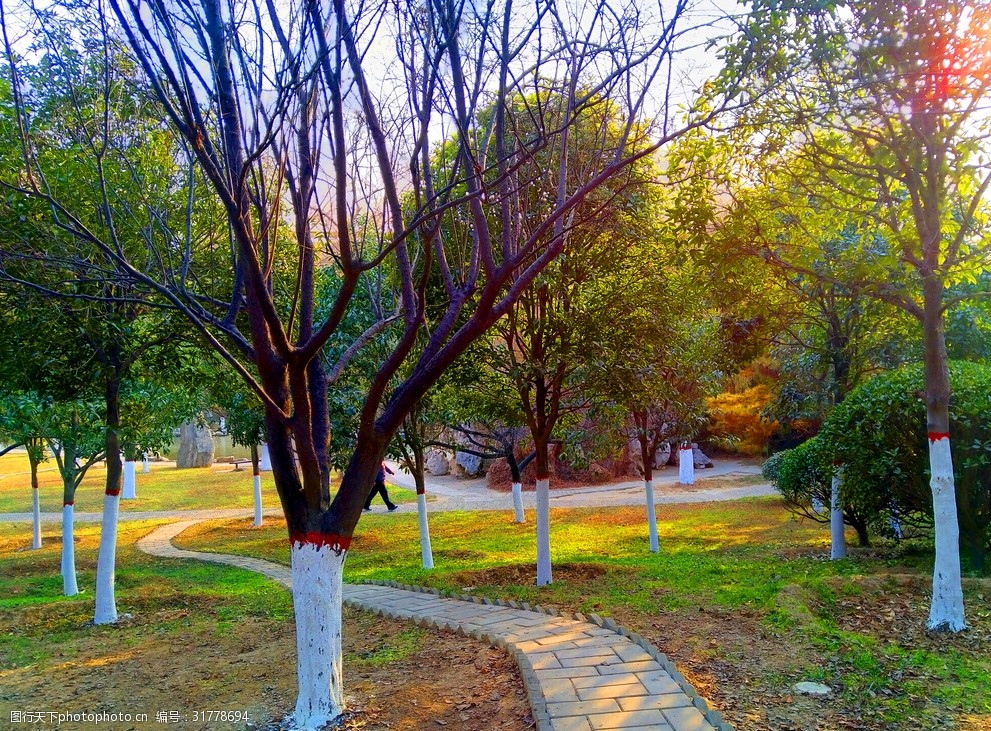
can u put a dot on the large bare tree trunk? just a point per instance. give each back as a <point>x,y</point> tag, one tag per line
<point>317,568</point>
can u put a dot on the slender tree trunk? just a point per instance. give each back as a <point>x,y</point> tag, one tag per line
<point>648,486</point>
<point>978,556</point>
<point>106,601</point>
<point>863,534</point>
<point>69,585</point>
<point>836,528</point>
<point>145,464</point>
<point>257,479</point>
<point>426,553</point>
<point>35,495</point>
<point>544,575</point>
<point>514,469</point>
<point>130,480</point>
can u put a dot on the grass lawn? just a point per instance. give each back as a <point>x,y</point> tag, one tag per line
<point>201,637</point>
<point>741,597</point>
<point>165,488</point>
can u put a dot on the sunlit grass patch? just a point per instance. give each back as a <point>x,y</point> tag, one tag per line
<point>164,488</point>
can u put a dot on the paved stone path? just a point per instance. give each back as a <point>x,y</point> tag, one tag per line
<point>580,675</point>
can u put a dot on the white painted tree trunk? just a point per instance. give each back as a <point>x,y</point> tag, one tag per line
<point>106,602</point>
<point>520,516</point>
<point>130,482</point>
<point>316,595</point>
<point>145,464</point>
<point>946,611</point>
<point>426,553</point>
<point>258,501</point>
<point>686,466</point>
<point>837,535</point>
<point>543,532</point>
<point>264,460</point>
<point>69,585</point>
<point>648,486</point>
<point>35,518</point>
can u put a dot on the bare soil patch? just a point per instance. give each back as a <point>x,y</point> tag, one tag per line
<point>523,574</point>
<point>185,660</point>
<point>747,666</point>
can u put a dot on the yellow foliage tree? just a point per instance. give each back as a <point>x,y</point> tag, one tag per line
<point>737,419</point>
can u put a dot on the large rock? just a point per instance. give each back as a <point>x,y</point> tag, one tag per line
<point>195,446</point>
<point>436,462</point>
<point>468,465</point>
<point>635,457</point>
<point>598,473</point>
<point>700,458</point>
<point>663,455</point>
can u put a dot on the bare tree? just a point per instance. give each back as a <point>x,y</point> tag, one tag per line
<point>340,141</point>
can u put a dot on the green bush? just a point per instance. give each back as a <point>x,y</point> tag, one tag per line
<point>879,435</point>
<point>804,478</point>
<point>771,466</point>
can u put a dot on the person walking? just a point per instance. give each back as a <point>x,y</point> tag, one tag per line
<point>380,489</point>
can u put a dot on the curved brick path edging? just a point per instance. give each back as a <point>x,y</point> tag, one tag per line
<point>580,673</point>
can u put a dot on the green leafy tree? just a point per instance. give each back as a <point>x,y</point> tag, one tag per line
<point>875,111</point>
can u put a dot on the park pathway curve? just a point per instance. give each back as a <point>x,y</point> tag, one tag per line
<point>579,675</point>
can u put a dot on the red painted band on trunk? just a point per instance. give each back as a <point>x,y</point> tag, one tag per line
<point>338,544</point>
<point>935,436</point>
<point>421,491</point>
<point>837,463</point>
<point>114,492</point>
<point>69,504</point>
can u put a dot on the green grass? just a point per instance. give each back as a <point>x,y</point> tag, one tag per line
<point>746,558</point>
<point>165,488</point>
<point>193,635</point>
<point>726,554</point>
<point>46,622</point>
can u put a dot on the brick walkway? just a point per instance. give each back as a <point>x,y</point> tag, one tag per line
<point>579,675</point>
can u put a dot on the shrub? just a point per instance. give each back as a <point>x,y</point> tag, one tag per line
<point>805,480</point>
<point>879,435</point>
<point>771,466</point>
